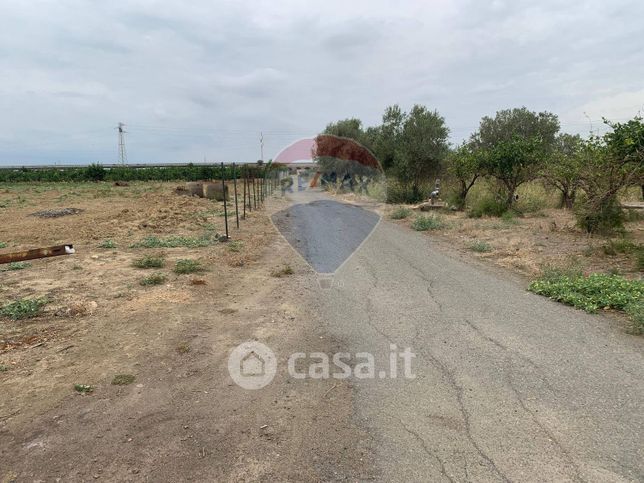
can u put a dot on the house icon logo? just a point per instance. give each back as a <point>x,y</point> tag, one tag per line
<point>252,365</point>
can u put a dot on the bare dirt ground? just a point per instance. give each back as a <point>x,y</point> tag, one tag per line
<point>182,418</point>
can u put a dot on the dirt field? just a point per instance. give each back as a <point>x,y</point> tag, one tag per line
<point>182,418</point>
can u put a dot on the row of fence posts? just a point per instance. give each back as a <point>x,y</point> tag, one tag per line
<point>255,189</point>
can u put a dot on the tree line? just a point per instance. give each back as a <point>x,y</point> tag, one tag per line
<point>96,172</point>
<point>511,148</point>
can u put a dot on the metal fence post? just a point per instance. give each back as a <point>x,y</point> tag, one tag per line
<point>223,189</point>
<point>235,187</point>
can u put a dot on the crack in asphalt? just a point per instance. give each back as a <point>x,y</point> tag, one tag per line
<point>509,373</point>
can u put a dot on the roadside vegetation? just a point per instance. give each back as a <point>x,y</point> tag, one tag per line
<point>516,186</point>
<point>594,292</point>
<point>96,172</point>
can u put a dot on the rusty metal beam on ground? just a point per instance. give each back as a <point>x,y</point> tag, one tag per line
<point>37,253</point>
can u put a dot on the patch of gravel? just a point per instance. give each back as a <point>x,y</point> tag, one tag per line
<point>57,213</point>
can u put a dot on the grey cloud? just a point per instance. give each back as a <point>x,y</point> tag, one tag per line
<point>187,70</point>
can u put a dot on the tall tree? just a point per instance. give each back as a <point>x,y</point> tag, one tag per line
<point>562,168</point>
<point>514,144</point>
<point>422,147</point>
<point>465,167</point>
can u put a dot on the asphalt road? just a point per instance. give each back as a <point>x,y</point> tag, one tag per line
<point>508,386</point>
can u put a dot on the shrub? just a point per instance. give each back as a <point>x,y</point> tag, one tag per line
<point>154,279</point>
<point>487,206</point>
<point>592,292</point>
<point>149,262</point>
<point>95,172</point>
<point>187,266</point>
<point>606,216</point>
<point>424,223</point>
<point>481,247</point>
<point>400,213</point>
<point>83,388</point>
<point>3,245</point>
<point>23,308</point>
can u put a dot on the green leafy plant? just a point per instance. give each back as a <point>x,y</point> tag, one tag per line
<point>83,388</point>
<point>16,266</point>
<point>3,245</point>
<point>107,244</point>
<point>424,223</point>
<point>187,266</point>
<point>23,308</point>
<point>149,261</point>
<point>154,279</point>
<point>592,292</point>
<point>401,213</point>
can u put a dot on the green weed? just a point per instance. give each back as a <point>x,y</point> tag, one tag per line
<point>107,244</point>
<point>401,213</point>
<point>154,279</point>
<point>187,266</point>
<point>481,247</point>
<point>424,223</point>
<point>593,292</point>
<point>23,308</point>
<point>149,261</point>
<point>16,266</point>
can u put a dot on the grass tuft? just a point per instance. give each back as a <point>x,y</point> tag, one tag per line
<point>149,261</point>
<point>401,213</point>
<point>282,272</point>
<point>154,279</point>
<point>23,308</point>
<point>424,223</point>
<point>481,247</point>
<point>123,379</point>
<point>174,241</point>
<point>187,266</point>
<point>235,246</point>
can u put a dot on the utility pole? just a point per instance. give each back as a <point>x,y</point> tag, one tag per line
<point>261,145</point>
<point>122,153</point>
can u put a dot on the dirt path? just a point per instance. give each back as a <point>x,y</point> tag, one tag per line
<point>183,418</point>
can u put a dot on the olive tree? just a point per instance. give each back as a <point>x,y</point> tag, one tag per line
<point>513,146</point>
<point>422,147</point>
<point>562,168</point>
<point>465,167</point>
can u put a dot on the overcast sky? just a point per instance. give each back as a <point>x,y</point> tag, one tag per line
<point>203,78</point>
